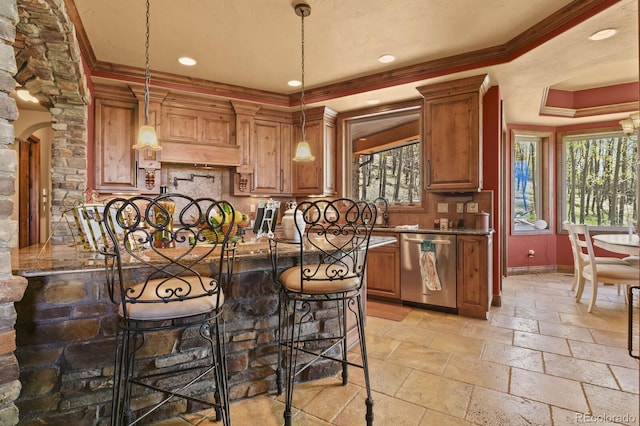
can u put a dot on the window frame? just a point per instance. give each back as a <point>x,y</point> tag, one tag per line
<point>375,113</point>
<point>561,202</point>
<point>544,176</point>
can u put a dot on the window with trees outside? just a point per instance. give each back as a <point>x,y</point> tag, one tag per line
<point>530,182</point>
<point>386,156</point>
<point>599,179</point>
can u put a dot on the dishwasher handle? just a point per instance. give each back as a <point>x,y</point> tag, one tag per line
<point>419,241</point>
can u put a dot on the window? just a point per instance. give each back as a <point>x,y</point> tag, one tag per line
<point>393,174</point>
<point>599,179</point>
<point>529,182</point>
<point>385,149</point>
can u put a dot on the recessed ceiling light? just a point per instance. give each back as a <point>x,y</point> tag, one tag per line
<point>26,96</point>
<point>385,59</point>
<point>294,83</point>
<point>185,60</point>
<point>603,34</point>
<point>373,102</point>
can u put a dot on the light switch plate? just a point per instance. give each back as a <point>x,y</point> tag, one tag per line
<point>443,208</point>
<point>472,208</point>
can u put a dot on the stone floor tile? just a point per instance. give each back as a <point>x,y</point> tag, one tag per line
<point>385,377</point>
<point>565,331</point>
<point>541,343</point>
<point>263,410</point>
<point>489,407</point>
<point>435,392</point>
<point>442,325</point>
<point>566,308</point>
<point>540,387</point>
<point>378,326</point>
<point>411,333</point>
<point>487,332</point>
<point>513,356</point>
<point>469,369</point>
<point>522,324</point>
<point>380,347</point>
<point>330,401</point>
<point>445,342</point>
<point>436,418</point>
<point>564,417</point>
<point>581,370</point>
<point>386,411</point>
<point>629,379</point>
<point>610,338</point>
<point>537,314</point>
<point>602,353</point>
<point>419,358</point>
<point>614,406</point>
<point>414,384</point>
<point>592,321</point>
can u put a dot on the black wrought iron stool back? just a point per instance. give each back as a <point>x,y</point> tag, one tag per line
<point>321,297</point>
<point>168,260</point>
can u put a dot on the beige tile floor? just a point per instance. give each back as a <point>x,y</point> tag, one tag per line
<point>540,359</point>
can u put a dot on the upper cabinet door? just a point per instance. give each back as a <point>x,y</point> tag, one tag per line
<point>453,134</point>
<point>115,134</point>
<point>317,177</point>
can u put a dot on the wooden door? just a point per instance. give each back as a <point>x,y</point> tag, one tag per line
<point>29,192</point>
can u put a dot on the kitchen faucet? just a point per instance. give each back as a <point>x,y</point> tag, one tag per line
<point>385,215</point>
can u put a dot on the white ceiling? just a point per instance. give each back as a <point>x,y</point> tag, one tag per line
<point>256,44</point>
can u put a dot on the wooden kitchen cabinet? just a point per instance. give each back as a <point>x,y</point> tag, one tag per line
<point>271,158</point>
<point>319,176</point>
<point>474,275</point>
<point>115,133</point>
<point>453,134</point>
<point>383,271</point>
<point>199,136</point>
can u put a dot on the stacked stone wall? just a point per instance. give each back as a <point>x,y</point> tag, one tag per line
<point>11,288</point>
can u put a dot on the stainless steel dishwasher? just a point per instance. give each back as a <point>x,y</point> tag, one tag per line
<point>412,289</point>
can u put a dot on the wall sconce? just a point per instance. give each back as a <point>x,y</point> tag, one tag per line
<point>147,138</point>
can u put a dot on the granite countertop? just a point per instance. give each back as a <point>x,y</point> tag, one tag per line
<point>451,231</point>
<point>38,260</point>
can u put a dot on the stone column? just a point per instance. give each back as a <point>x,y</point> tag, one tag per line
<point>11,287</point>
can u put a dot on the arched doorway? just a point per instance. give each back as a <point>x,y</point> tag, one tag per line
<point>49,65</point>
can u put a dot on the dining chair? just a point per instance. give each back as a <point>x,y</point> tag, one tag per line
<point>595,272</point>
<point>167,264</point>
<point>321,295</point>
<point>581,258</point>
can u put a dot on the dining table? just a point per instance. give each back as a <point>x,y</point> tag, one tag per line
<point>628,243</point>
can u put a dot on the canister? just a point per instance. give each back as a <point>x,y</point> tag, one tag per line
<point>444,223</point>
<point>482,221</point>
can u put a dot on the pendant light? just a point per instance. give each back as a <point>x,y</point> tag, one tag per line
<point>303,151</point>
<point>147,138</point>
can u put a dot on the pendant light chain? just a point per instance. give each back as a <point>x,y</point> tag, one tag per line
<point>147,72</point>
<point>302,113</point>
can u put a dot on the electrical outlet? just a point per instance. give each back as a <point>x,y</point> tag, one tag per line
<point>253,208</point>
<point>460,208</point>
<point>472,208</point>
<point>443,208</point>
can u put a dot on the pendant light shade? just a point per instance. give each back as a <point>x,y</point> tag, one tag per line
<point>147,138</point>
<point>303,150</point>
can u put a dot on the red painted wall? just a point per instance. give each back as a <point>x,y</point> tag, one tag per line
<point>553,248</point>
<point>491,161</point>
